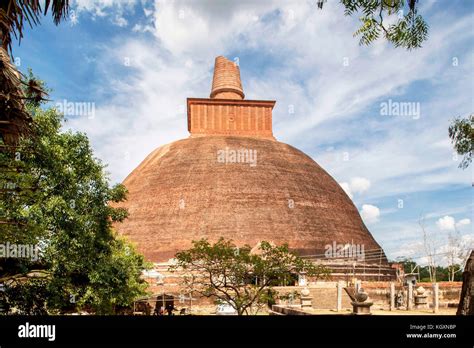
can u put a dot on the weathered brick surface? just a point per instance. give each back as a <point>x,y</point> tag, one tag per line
<point>230,117</point>
<point>226,83</point>
<point>181,192</point>
<point>323,297</point>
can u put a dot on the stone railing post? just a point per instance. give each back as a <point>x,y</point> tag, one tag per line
<point>435,297</point>
<point>410,295</point>
<point>392,296</point>
<point>339,296</point>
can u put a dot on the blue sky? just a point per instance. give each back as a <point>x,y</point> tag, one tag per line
<point>138,61</point>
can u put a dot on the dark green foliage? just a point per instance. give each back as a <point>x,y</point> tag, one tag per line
<point>461,133</point>
<point>55,195</point>
<point>410,30</point>
<point>28,296</point>
<point>442,273</point>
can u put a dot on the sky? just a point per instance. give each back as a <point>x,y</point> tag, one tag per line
<point>134,63</point>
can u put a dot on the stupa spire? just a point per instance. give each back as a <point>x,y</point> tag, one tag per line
<point>226,112</point>
<point>226,83</point>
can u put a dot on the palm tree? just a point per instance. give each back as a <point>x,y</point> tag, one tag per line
<point>14,119</point>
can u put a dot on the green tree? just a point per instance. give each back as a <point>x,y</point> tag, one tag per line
<point>409,31</point>
<point>237,276</point>
<point>55,196</point>
<point>449,273</point>
<point>409,266</point>
<point>461,133</point>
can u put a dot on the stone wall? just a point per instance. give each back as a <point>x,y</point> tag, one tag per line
<point>379,292</point>
<point>324,295</point>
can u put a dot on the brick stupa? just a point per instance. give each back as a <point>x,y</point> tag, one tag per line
<point>199,188</point>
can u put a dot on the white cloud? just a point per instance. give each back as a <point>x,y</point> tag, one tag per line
<point>206,28</point>
<point>98,7</point>
<point>446,223</point>
<point>370,213</point>
<point>116,9</point>
<point>463,222</point>
<point>359,185</point>
<point>120,21</point>
<point>143,28</point>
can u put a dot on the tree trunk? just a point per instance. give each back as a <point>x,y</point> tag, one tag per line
<point>466,302</point>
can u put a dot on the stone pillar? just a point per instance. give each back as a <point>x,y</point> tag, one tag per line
<point>410,295</point>
<point>306,298</point>
<point>339,296</point>
<point>435,297</point>
<point>420,298</point>
<point>392,296</point>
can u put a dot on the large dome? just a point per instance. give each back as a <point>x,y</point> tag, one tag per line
<point>182,192</point>
<point>232,179</point>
